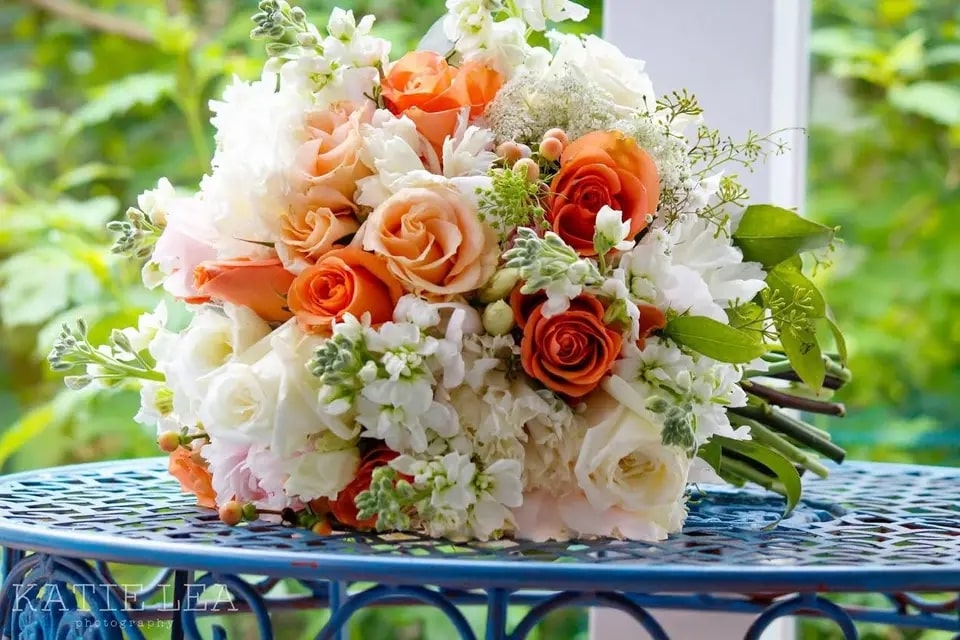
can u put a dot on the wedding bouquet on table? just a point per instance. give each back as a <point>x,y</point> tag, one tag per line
<point>486,289</point>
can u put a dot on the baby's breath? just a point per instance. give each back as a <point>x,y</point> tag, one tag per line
<point>530,105</point>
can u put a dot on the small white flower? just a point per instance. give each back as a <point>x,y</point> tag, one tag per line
<point>612,229</point>
<point>148,324</point>
<point>156,202</point>
<point>537,12</point>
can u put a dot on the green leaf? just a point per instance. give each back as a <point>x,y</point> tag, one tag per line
<point>805,355</point>
<point>711,453</point>
<point>27,428</point>
<point>788,281</point>
<point>87,173</point>
<point>782,468</point>
<point>716,340</point>
<point>747,315</point>
<point>837,337</point>
<point>34,286</point>
<point>945,54</point>
<point>770,235</point>
<point>118,98</point>
<point>935,100</point>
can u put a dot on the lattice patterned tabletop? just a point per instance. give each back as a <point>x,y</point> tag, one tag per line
<point>880,528</point>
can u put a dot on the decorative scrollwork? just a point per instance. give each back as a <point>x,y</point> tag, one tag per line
<point>805,602</point>
<point>353,603</point>
<point>578,599</point>
<point>238,588</point>
<point>38,601</point>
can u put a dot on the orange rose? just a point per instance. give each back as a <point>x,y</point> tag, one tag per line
<point>306,235</point>
<point>601,168</point>
<point>194,477</point>
<point>344,508</point>
<point>423,87</point>
<point>257,284</point>
<point>651,319</point>
<point>433,241</point>
<point>571,352</point>
<point>343,281</point>
<point>523,304</point>
<point>329,163</point>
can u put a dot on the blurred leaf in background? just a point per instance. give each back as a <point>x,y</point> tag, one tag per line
<point>885,166</point>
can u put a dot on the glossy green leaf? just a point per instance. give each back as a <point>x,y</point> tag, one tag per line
<point>770,235</point>
<point>783,469</point>
<point>806,356</point>
<point>787,281</point>
<point>838,337</point>
<point>716,340</point>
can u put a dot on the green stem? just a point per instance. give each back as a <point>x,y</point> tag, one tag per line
<point>781,399</point>
<point>763,435</point>
<point>740,469</point>
<point>792,428</point>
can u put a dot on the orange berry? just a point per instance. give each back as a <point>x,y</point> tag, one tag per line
<point>169,441</point>
<point>322,527</point>
<point>231,513</point>
<point>559,134</point>
<point>531,168</point>
<point>551,149</point>
<point>510,152</point>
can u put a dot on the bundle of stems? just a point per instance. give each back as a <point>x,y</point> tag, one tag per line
<point>774,397</point>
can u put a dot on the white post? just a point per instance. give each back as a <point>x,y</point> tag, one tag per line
<point>747,61</point>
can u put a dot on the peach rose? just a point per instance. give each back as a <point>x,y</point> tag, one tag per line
<point>433,241</point>
<point>191,471</point>
<point>257,284</point>
<point>343,281</point>
<point>423,87</point>
<point>571,352</point>
<point>306,235</point>
<point>598,169</point>
<point>329,163</point>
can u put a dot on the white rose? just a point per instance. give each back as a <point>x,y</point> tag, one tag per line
<point>623,462</point>
<point>211,340</point>
<point>241,401</point>
<point>604,64</point>
<point>322,473</point>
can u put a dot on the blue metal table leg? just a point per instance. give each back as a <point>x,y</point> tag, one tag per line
<point>497,603</point>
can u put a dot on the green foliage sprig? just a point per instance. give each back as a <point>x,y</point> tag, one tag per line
<point>285,28</point>
<point>511,201</point>
<point>137,235</point>
<point>109,365</point>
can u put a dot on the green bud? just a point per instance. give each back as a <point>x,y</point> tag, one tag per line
<point>76,383</point>
<point>250,512</point>
<point>498,318</point>
<point>657,404</point>
<point>499,286</point>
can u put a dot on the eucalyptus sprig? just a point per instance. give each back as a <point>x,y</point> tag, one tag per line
<point>137,234</point>
<point>390,498</point>
<point>285,28</point>
<point>109,365</point>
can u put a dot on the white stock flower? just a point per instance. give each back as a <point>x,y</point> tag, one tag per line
<point>469,152</point>
<point>155,203</point>
<point>148,324</point>
<point>536,12</point>
<point>612,229</point>
<point>623,462</point>
<point>156,407</point>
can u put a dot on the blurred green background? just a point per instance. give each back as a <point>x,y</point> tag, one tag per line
<point>98,98</point>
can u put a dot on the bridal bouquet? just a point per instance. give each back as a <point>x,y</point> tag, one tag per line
<point>493,287</point>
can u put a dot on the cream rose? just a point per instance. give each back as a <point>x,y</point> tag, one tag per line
<point>433,241</point>
<point>325,472</point>
<point>328,165</point>
<point>623,463</point>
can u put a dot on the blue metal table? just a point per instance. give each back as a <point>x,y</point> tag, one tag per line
<point>887,529</point>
